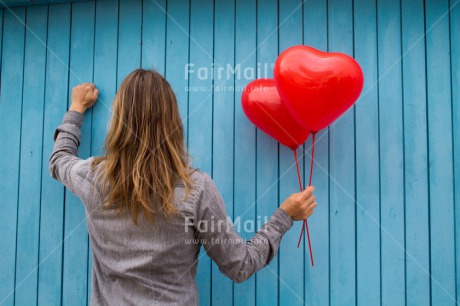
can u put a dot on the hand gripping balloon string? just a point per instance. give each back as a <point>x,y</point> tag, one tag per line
<point>305,222</point>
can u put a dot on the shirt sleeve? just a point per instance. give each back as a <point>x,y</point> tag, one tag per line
<point>236,258</point>
<point>64,163</point>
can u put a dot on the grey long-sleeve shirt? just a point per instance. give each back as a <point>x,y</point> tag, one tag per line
<point>156,264</point>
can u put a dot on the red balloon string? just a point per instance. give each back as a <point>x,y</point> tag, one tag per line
<point>298,170</point>
<point>313,136</point>
<point>305,222</point>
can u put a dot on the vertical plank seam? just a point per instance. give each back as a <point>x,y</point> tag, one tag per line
<point>142,31</point>
<point>65,189</point>
<point>118,44</point>
<point>403,147</point>
<point>20,146</point>
<point>453,148</point>
<point>428,151</point>
<point>188,74</point>
<point>355,181</point>
<point>166,38</point>
<point>379,148</point>
<point>43,142</point>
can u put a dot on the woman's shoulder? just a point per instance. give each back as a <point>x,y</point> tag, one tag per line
<point>201,182</point>
<point>200,179</point>
<point>190,202</point>
<point>198,175</point>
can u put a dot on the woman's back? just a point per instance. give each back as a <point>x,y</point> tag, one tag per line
<point>147,263</point>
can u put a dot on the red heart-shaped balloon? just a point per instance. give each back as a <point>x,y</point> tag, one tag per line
<point>263,106</point>
<point>317,87</point>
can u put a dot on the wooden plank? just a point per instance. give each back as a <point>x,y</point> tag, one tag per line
<point>267,149</point>
<point>154,35</point>
<point>293,261</point>
<point>129,38</point>
<point>342,173</point>
<point>105,70</point>
<point>455,71</point>
<point>244,209</point>
<point>415,153</point>
<point>367,161</point>
<point>317,278</point>
<point>177,52</point>
<point>31,157</point>
<point>10,121</point>
<point>105,79</point>
<point>222,126</point>
<point>52,207</point>
<point>75,272</point>
<point>391,153</point>
<point>442,243</point>
<point>200,113</point>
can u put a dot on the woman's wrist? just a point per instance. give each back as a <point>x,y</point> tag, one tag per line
<point>283,219</point>
<point>78,108</point>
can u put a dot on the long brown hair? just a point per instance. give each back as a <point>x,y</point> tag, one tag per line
<point>144,152</point>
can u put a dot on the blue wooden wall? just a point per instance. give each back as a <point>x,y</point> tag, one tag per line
<point>387,173</point>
